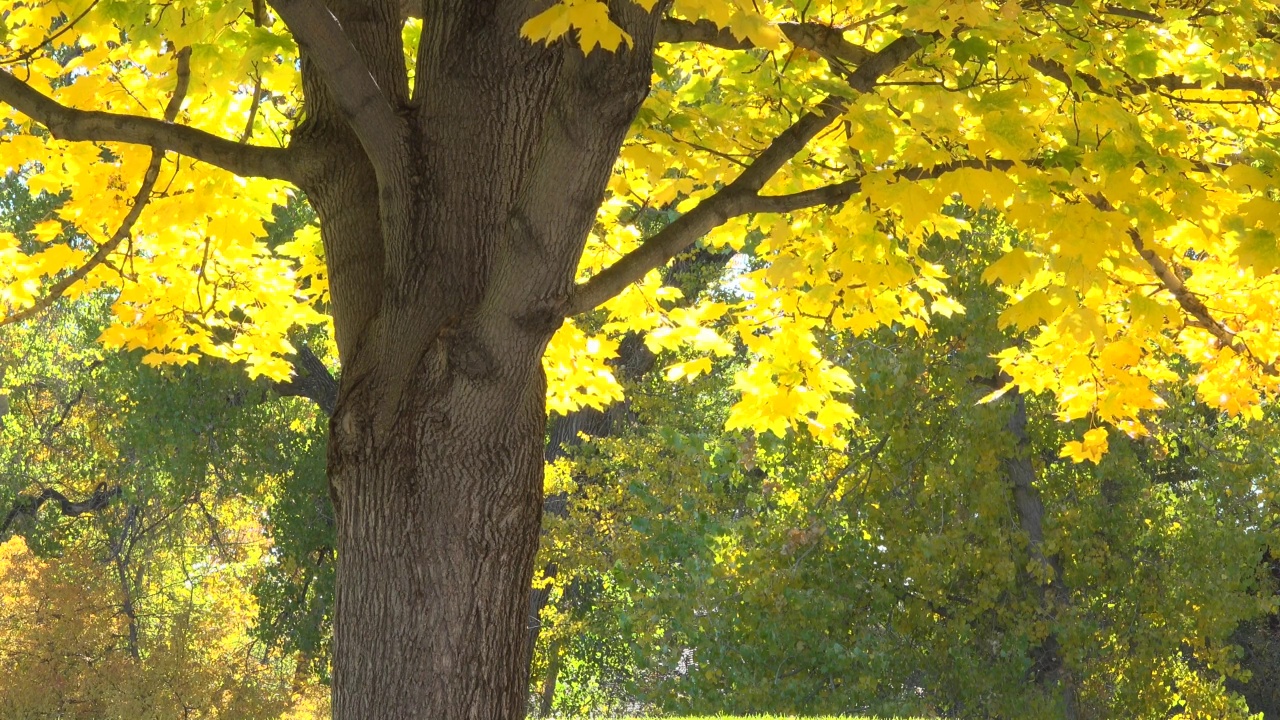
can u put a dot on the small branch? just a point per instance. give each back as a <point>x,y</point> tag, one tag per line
<point>1109,9</point>
<point>37,47</point>
<point>1193,305</point>
<point>29,505</point>
<point>140,200</point>
<point>836,193</point>
<point>1120,11</point>
<point>1062,74</point>
<point>253,110</point>
<point>364,105</point>
<point>66,123</point>
<point>259,13</point>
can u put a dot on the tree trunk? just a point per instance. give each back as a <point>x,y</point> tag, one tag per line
<point>693,274</point>
<point>437,534</point>
<point>453,222</point>
<point>547,698</point>
<point>1049,665</point>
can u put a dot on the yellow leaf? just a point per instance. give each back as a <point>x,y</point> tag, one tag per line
<point>689,370</point>
<point>1092,448</point>
<point>591,18</point>
<point>997,393</point>
<point>946,307</point>
<point>754,27</point>
<point>1012,269</point>
<point>47,231</point>
<point>548,25</point>
<point>1029,311</point>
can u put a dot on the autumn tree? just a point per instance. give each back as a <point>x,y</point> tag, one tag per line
<point>135,561</point>
<point>481,171</point>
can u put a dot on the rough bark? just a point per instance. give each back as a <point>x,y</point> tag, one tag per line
<point>311,380</point>
<point>449,257</point>
<point>1049,666</point>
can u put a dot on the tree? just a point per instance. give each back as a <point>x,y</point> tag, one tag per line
<point>458,160</point>
<point>132,541</point>
<point>945,562</point>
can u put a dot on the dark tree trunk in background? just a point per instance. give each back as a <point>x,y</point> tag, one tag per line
<point>693,273</point>
<point>453,243</point>
<point>1049,666</point>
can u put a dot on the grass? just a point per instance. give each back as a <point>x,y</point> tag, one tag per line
<point>784,718</point>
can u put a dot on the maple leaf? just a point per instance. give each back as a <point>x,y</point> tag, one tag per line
<point>1091,448</point>
<point>1258,250</point>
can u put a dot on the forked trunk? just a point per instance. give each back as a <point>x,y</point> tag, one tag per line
<point>452,231</point>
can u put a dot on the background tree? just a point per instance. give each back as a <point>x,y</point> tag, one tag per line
<point>458,168</point>
<point>708,572</point>
<point>131,506</point>
<point>135,560</point>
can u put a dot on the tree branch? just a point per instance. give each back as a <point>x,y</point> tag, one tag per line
<point>735,198</point>
<point>364,105</point>
<point>140,200</point>
<point>1062,74</point>
<point>66,123</point>
<point>839,192</point>
<point>729,202</point>
<point>825,40</point>
<point>1193,305</point>
<point>311,380</point>
<point>829,42</point>
<point>259,13</point>
<point>29,505</point>
<point>1109,9</point>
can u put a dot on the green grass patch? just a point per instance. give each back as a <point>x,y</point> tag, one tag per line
<point>782,717</point>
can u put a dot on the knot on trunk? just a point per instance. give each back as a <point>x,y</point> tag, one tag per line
<point>467,355</point>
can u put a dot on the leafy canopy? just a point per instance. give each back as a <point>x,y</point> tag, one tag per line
<point>1131,144</point>
<point>697,570</point>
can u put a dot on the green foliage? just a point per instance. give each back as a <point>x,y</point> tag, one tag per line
<point>210,486</point>
<point>755,574</point>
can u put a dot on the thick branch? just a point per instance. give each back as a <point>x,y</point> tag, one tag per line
<point>1187,300</point>
<point>735,198</point>
<point>364,105</point>
<point>1054,595</point>
<point>66,123</point>
<point>1193,305</point>
<point>29,505</point>
<point>311,380</point>
<point>729,202</point>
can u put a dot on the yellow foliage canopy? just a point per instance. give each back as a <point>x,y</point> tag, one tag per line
<point>1131,146</point>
